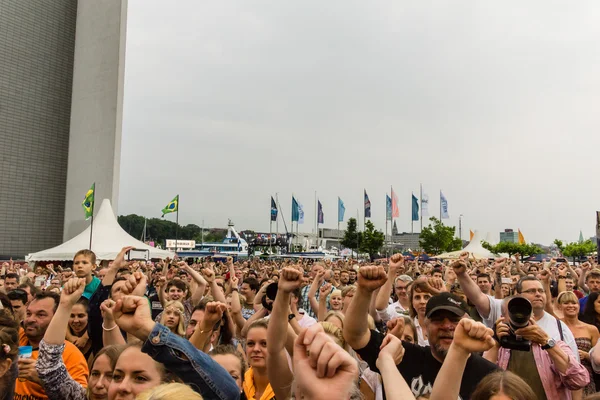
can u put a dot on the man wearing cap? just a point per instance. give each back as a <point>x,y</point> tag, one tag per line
<point>420,365</point>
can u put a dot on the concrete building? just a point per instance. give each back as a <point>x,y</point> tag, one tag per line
<point>509,236</point>
<point>61,91</point>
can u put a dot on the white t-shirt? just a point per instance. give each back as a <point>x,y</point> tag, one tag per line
<point>393,311</point>
<point>548,323</point>
<point>306,321</point>
<point>421,341</point>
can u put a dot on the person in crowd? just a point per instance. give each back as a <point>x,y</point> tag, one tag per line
<point>550,368</point>
<point>18,301</point>
<point>30,289</point>
<point>419,295</point>
<point>256,381</point>
<point>591,312</point>
<point>228,357</point>
<point>40,313</point>
<point>420,365</point>
<point>352,276</point>
<point>77,330</point>
<point>101,372</point>
<point>484,281</point>
<point>9,347</point>
<point>172,317</point>
<point>11,281</point>
<point>316,273</point>
<point>347,296</point>
<point>528,287</point>
<point>171,352</point>
<point>248,290</point>
<point>335,317</point>
<point>586,335</point>
<point>84,264</point>
<point>589,282</point>
<point>344,279</point>
<point>400,284</point>
<point>169,391</point>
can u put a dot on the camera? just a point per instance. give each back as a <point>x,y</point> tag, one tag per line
<point>519,313</point>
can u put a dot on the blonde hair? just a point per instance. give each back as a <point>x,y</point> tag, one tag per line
<point>335,333</point>
<point>169,391</point>
<point>565,296</point>
<point>336,314</point>
<point>178,306</point>
<point>336,292</point>
<point>348,289</point>
<point>370,322</point>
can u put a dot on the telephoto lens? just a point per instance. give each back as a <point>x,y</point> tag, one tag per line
<point>519,313</point>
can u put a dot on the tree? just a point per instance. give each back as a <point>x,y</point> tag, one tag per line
<point>437,238</point>
<point>559,244</point>
<point>351,236</point>
<point>511,248</point>
<point>579,250</point>
<point>371,240</point>
<point>158,229</point>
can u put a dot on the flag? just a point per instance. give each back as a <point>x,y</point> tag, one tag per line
<point>443,206</point>
<point>471,234</point>
<point>295,210</point>
<point>367,206</point>
<point>300,214</point>
<point>88,202</point>
<point>173,206</point>
<point>388,208</point>
<point>341,210</point>
<point>424,205</point>
<point>521,238</point>
<point>581,237</point>
<point>395,210</point>
<point>320,216</point>
<point>415,208</point>
<point>273,210</point>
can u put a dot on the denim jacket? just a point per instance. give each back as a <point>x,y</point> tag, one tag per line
<point>194,367</point>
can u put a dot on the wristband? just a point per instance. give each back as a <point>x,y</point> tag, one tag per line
<point>108,330</point>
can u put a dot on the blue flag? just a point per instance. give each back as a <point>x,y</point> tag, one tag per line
<point>320,216</point>
<point>415,208</point>
<point>341,210</point>
<point>273,210</point>
<point>295,210</point>
<point>388,208</point>
<point>367,206</point>
<point>443,207</point>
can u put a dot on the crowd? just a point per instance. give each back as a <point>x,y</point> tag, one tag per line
<point>391,329</point>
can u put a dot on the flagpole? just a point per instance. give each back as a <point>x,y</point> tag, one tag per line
<point>177,225</point>
<point>440,205</point>
<point>316,220</point>
<point>421,207</point>
<point>277,218</point>
<point>92,223</point>
<point>270,226</point>
<point>412,222</point>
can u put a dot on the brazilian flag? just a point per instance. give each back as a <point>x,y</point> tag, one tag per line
<point>88,202</point>
<point>171,207</point>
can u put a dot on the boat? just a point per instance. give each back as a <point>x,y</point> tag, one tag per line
<point>232,246</point>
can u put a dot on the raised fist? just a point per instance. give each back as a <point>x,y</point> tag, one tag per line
<point>289,279</point>
<point>371,277</point>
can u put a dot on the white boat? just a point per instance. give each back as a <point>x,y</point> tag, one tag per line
<point>232,246</point>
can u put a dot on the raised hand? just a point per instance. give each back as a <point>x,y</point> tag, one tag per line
<point>290,279</point>
<point>396,327</point>
<point>132,314</point>
<point>371,277</point>
<point>391,347</point>
<point>106,308</point>
<point>534,333</point>
<point>473,337</point>
<point>499,263</point>
<point>209,275</point>
<point>234,281</point>
<point>322,369</point>
<point>324,290</point>
<point>135,284</point>
<point>72,291</point>
<point>544,276</point>
<point>459,266</point>
<point>119,262</point>
<point>464,256</point>
<point>213,314</point>
<point>396,264</point>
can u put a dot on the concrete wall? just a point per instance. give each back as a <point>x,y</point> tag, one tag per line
<point>37,39</point>
<point>96,110</point>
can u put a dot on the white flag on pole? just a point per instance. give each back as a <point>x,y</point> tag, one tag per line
<point>300,213</point>
<point>444,206</point>
<point>424,205</point>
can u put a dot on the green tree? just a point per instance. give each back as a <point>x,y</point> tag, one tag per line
<point>371,240</point>
<point>513,248</point>
<point>437,238</point>
<point>578,250</point>
<point>351,236</point>
<point>559,244</point>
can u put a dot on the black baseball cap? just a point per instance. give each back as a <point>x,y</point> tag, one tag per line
<point>446,301</point>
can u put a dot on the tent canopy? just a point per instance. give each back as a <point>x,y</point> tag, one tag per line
<point>474,248</point>
<point>107,241</point>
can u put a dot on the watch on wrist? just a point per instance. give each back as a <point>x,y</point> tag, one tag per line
<point>291,316</point>
<point>549,344</point>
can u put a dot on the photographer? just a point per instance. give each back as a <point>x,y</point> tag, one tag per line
<point>548,366</point>
<point>529,287</point>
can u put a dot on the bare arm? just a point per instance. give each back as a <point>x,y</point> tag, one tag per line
<point>118,262</point>
<point>472,291</point>
<point>383,296</point>
<point>236,306</point>
<point>356,331</point>
<point>198,291</point>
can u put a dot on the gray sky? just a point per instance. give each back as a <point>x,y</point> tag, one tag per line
<point>494,103</point>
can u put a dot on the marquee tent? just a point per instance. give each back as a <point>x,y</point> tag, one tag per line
<point>474,248</point>
<point>107,241</point>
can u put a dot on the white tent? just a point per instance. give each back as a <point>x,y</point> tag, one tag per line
<point>474,248</point>
<point>107,241</point>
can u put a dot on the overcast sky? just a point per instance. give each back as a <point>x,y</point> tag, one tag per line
<point>495,103</point>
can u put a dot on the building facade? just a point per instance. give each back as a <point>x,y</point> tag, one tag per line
<point>509,236</point>
<point>55,114</point>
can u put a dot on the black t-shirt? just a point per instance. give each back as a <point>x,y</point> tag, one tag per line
<point>419,368</point>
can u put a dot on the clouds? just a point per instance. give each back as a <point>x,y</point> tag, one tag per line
<point>227,103</point>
